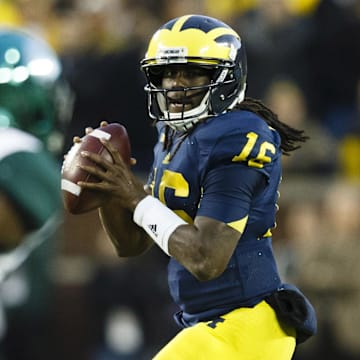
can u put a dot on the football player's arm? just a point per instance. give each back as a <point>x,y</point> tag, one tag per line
<point>128,238</point>
<point>206,246</point>
<point>203,247</point>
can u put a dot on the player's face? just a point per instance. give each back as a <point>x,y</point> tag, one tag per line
<point>179,77</point>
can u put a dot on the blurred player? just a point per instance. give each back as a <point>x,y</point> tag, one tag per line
<point>212,198</point>
<point>32,103</point>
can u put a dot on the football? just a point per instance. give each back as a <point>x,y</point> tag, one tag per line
<point>77,200</point>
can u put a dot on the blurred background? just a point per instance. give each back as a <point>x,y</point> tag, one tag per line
<point>303,61</point>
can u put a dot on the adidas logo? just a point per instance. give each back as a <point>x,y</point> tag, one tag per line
<point>153,229</point>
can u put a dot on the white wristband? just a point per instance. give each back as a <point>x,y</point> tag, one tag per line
<point>157,220</point>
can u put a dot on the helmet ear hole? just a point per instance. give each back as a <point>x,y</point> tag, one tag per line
<point>219,100</point>
<point>224,96</point>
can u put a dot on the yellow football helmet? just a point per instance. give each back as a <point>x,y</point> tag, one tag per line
<point>196,40</point>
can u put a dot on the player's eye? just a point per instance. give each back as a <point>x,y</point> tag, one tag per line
<point>187,73</point>
<point>170,73</point>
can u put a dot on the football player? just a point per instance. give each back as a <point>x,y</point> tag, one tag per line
<point>211,198</point>
<point>32,93</point>
<point>32,104</point>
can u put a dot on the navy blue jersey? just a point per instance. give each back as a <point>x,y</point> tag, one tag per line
<point>227,168</point>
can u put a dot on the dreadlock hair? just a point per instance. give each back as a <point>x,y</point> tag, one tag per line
<point>290,137</point>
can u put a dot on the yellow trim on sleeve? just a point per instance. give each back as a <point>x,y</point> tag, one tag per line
<point>239,225</point>
<point>268,233</point>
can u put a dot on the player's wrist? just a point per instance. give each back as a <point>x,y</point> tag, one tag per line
<point>157,220</point>
<point>136,200</point>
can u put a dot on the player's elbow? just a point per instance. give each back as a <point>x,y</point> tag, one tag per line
<point>207,269</point>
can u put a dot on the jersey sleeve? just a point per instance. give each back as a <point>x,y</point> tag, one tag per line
<point>228,192</point>
<point>238,170</point>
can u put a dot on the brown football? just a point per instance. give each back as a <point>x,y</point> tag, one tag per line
<point>77,200</point>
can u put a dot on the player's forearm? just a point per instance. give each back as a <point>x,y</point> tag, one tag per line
<point>128,238</point>
<point>204,248</point>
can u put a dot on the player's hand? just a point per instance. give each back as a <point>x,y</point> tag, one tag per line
<point>88,130</point>
<point>116,178</point>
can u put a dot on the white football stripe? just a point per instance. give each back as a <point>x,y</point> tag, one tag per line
<point>100,134</point>
<point>70,187</point>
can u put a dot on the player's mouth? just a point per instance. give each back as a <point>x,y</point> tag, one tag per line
<point>179,105</point>
<point>183,100</point>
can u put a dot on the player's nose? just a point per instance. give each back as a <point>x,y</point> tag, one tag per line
<point>178,79</point>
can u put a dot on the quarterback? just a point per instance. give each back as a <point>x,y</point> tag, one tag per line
<point>210,199</point>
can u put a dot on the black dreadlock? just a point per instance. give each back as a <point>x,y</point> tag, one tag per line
<point>168,141</point>
<point>289,135</point>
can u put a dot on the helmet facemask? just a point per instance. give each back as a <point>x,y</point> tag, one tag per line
<point>184,119</point>
<point>222,82</point>
<point>161,98</point>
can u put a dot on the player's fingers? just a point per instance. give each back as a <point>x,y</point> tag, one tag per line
<point>94,185</point>
<point>116,156</point>
<point>92,170</point>
<point>133,161</point>
<point>96,171</point>
<point>97,159</point>
<point>104,123</point>
<point>76,139</point>
<point>100,173</point>
<point>88,130</point>
<point>106,179</point>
